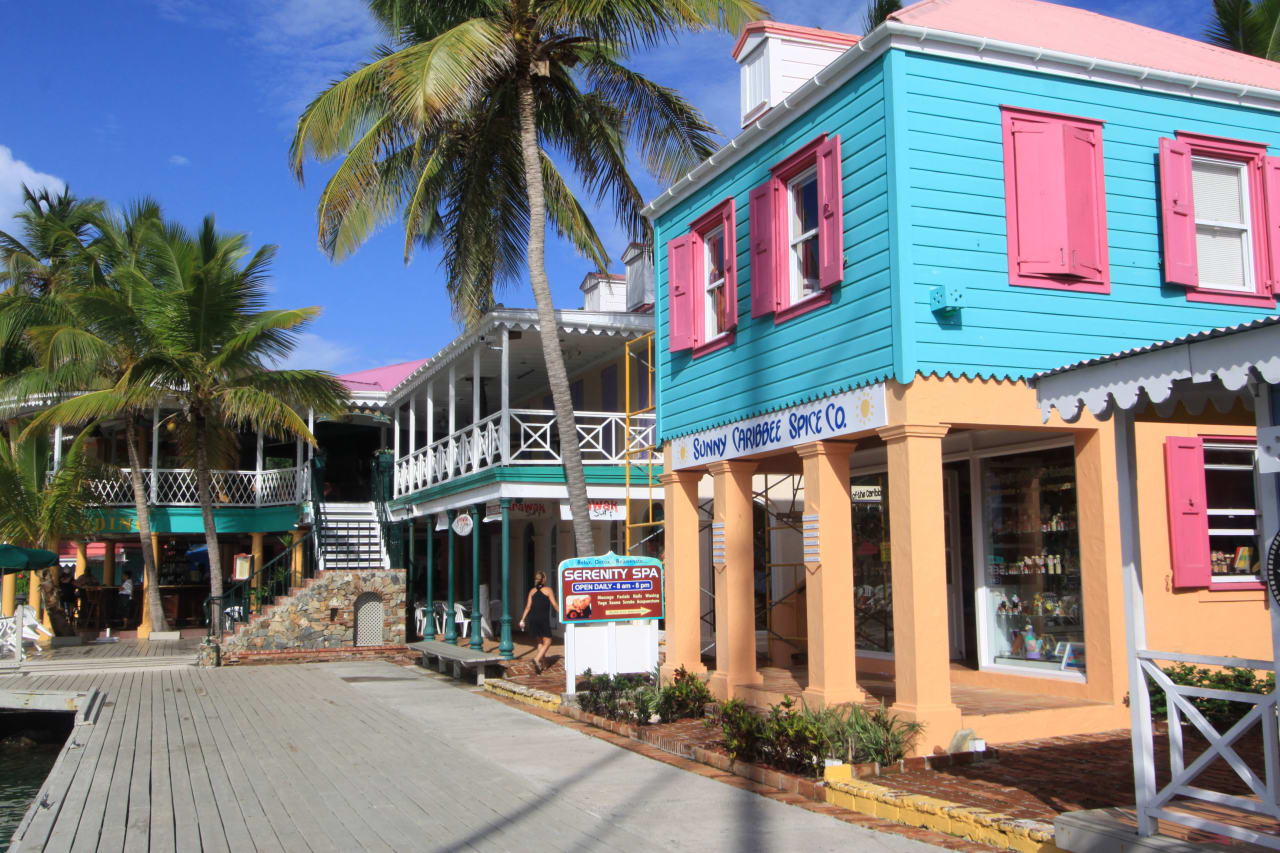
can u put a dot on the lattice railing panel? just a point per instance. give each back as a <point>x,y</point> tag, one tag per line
<point>177,487</point>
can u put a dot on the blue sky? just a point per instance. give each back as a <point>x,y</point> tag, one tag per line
<point>193,102</point>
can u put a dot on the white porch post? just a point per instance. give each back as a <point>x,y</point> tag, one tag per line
<point>298,494</point>
<point>450,450</point>
<point>1266,410</point>
<point>431,433</point>
<point>395,433</point>
<point>311,428</point>
<point>155,454</point>
<point>1135,634</point>
<point>413,424</point>
<point>505,432</point>
<point>475,408</point>
<point>57,447</point>
<point>257,473</point>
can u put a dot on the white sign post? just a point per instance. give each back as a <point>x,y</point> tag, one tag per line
<point>610,607</point>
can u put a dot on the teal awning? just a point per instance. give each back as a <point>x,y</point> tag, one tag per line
<point>15,559</point>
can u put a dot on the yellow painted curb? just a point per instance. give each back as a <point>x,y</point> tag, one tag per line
<point>976,824</point>
<point>524,695</point>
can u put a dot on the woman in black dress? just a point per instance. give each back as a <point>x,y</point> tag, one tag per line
<point>537,613</point>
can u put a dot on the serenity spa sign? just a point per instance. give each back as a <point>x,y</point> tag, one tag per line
<point>610,589</point>
<point>828,417</point>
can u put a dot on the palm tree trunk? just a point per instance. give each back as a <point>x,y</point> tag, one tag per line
<point>151,586</point>
<point>203,487</point>
<point>570,453</point>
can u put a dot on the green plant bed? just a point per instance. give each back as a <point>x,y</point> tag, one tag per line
<point>1221,713</point>
<point>641,699</point>
<point>800,740</point>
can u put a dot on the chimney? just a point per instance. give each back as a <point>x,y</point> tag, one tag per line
<point>774,59</point>
<point>602,291</point>
<point>639,261</point>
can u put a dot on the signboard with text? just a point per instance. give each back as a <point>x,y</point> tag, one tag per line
<point>610,589</point>
<point>827,417</point>
<point>599,509</point>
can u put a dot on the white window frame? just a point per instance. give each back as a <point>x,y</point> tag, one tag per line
<point>1249,284</point>
<point>1227,444</point>
<point>712,321</point>
<point>796,284</point>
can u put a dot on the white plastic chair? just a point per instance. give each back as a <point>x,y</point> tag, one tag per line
<point>10,637</point>
<point>437,614</point>
<point>419,620</point>
<point>32,627</point>
<point>461,617</point>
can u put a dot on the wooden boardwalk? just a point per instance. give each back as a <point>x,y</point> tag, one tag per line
<point>124,654</point>
<point>372,756</point>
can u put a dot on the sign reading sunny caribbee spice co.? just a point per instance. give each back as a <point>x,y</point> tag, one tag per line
<point>827,417</point>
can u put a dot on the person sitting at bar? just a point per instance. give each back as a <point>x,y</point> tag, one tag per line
<point>67,592</point>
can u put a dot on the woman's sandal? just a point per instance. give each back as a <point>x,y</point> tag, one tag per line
<point>537,668</point>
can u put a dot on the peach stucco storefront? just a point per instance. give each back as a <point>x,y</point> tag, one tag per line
<point>944,655</point>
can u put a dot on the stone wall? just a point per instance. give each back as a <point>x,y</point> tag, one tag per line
<point>321,615</point>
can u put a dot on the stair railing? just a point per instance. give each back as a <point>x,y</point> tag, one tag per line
<point>247,598</point>
<point>317,508</point>
<point>381,477</point>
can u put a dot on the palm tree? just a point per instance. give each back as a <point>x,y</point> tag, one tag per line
<point>450,125</point>
<point>92,347</point>
<point>1248,26</point>
<point>216,342</point>
<point>39,511</point>
<point>878,11</point>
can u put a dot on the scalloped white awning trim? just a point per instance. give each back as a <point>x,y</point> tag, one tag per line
<point>1215,369</point>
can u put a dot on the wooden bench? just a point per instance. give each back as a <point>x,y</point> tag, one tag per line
<point>459,657</point>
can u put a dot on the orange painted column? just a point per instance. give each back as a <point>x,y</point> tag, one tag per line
<point>257,548</point>
<point>921,641</point>
<point>82,558</point>
<point>733,562</point>
<point>683,572</point>
<point>9,598</point>
<point>828,561</point>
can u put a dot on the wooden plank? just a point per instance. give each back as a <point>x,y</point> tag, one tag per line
<point>162,833</point>
<point>342,811</point>
<point>186,820</point>
<point>113,768</point>
<point>227,807</point>
<point>137,818</point>
<point>294,817</point>
<point>270,828</point>
<point>190,774</point>
<point>55,826</point>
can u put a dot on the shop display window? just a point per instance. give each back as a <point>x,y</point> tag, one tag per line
<point>1232,510</point>
<point>872,578</point>
<point>1034,614</point>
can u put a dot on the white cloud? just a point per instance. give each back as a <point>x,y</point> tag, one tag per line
<point>178,160</point>
<point>314,352</point>
<point>13,174</point>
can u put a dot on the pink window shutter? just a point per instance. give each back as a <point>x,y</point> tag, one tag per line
<point>729,222</point>
<point>831,214</point>
<point>1036,196</point>
<point>1177,215</point>
<point>765,251</point>
<point>1188,515</point>
<point>680,287</point>
<point>1086,204</point>
<point>1271,182</point>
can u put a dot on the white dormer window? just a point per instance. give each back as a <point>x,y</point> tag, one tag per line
<point>777,59</point>
<point>755,82</point>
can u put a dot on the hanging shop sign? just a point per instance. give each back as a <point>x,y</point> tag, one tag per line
<point>610,589</point>
<point>462,525</point>
<point>840,414</point>
<point>866,493</point>
<point>518,510</point>
<point>599,509</point>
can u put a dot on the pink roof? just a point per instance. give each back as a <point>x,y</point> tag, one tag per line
<point>1069,30</point>
<point>381,378</point>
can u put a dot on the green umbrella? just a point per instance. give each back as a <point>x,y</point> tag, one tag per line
<point>15,559</point>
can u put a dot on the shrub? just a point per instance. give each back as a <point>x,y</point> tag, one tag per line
<point>1221,713</point>
<point>636,699</point>
<point>798,741</point>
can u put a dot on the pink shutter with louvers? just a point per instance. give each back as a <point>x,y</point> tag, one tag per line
<point>1036,195</point>
<point>831,214</point>
<point>1177,215</point>
<point>680,289</point>
<point>765,251</point>
<point>1188,515</point>
<point>729,221</point>
<point>1271,183</point>
<point>1086,204</point>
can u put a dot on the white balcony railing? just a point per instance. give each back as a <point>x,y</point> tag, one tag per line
<point>602,436</point>
<point>177,487</point>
